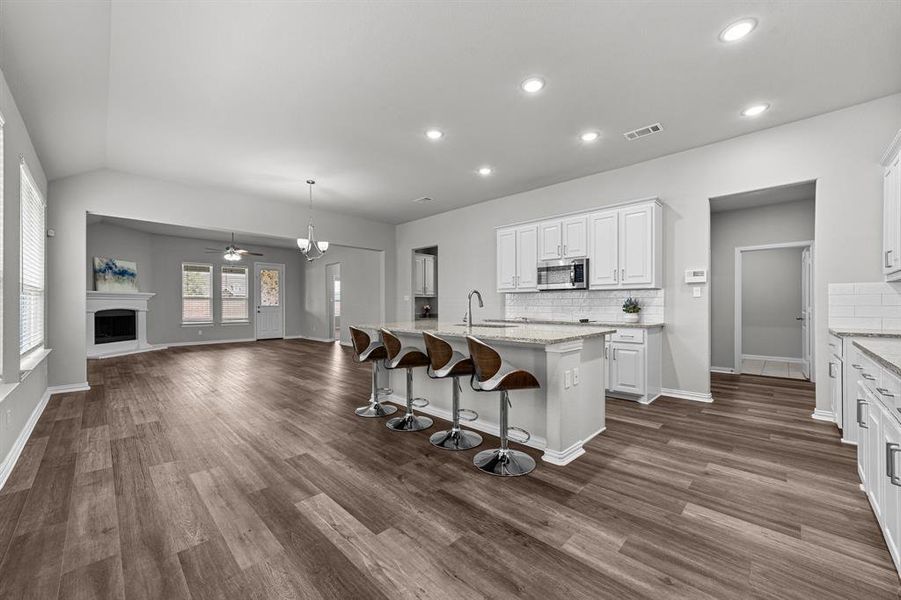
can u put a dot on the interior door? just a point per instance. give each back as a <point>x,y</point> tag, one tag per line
<point>603,258</point>
<point>550,240</point>
<point>806,311</point>
<point>506,260</point>
<point>270,300</point>
<point>635,245</point>
<point>527,258</point>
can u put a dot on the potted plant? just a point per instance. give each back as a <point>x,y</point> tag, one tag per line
<point>632,309</point>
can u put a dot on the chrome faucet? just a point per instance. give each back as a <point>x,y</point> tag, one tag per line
<point>481,305</point>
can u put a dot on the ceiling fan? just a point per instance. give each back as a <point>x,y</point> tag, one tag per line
<point>233,252</point>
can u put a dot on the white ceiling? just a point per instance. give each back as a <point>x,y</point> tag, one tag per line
<point>259,96</point>
<point>794,192</point>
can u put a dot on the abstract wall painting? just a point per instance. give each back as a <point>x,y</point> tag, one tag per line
<point>115,275</point>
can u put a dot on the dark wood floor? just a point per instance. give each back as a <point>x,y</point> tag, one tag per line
<point>240,471</point>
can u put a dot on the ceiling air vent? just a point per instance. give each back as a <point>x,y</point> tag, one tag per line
<point>643,131</point>
<point>423,200</point>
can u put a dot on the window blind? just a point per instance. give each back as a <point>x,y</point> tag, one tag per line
<point>197,293</point>
<point>234,294</point>
<point>31,303</point>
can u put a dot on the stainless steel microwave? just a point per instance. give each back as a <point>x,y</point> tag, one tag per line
<point>563,274</point>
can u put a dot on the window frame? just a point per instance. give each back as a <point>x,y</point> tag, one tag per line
<point>246,318</point>
<point>25,176</point>
<point>209,267</point>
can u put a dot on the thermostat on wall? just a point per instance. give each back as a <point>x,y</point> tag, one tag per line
<point>695,275</point>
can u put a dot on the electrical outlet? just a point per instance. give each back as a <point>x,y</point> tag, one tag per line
<point>567,379</point>
<point>576,376</point>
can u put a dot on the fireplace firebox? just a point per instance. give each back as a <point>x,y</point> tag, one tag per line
<point>115,325</point>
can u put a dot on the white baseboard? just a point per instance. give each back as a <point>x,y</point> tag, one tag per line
<point>151,348</point>
<point>68,388</point>
<point>570,454</point>
<point>537,442</point>
<point>787,359</point>
<point>727,370</point>
<point>823,415</point>
<point>210,342</point>
<point>10,461</point>
<point>310,338</point>
<point>686,395</point>
<point>848,442</point>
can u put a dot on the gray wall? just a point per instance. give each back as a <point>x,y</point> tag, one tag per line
<point>788,222</point>
<point>21,393</point>
<point>771,301</point>
<point>361,301</point>
<point>841,150</point>
<point>123,195</point>
<point>159,259</point>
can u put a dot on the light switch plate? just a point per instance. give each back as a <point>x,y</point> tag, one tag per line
<point>576,376</point>
<point>696,292</point>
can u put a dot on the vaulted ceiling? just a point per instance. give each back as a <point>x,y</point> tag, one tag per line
<point>260,96</point>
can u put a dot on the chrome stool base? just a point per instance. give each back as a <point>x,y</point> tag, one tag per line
<point>409,422</point>
<point>455,439</point>
<point>504,463</point>
<point>376,409</point>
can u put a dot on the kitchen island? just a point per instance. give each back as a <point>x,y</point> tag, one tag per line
<point>568,361</point>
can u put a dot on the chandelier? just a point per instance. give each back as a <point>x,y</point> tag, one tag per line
<point>311,248</point>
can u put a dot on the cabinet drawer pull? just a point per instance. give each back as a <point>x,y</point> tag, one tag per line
<point>885,392</point>
<point>890,451</point>
<point>888,262</point>
<point>860,422</point>
<point>831,370</point>
<point>858,367</point>
<point>867,376</point>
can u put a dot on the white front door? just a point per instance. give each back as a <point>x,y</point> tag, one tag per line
<point>806,311</point>
<point>270,300</point>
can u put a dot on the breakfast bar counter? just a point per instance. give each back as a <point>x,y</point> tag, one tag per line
<point>568,361</point>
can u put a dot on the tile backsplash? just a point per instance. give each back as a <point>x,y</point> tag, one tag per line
<point>865,305</point>
<point>572,305</point>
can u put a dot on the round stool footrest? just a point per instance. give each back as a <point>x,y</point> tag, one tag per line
<point>463,416</point>
<point>419,403</point>
<point>528,436</point>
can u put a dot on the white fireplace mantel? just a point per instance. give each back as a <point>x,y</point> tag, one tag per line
<point>136,301</point>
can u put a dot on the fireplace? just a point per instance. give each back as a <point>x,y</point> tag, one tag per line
<point>115,325</point>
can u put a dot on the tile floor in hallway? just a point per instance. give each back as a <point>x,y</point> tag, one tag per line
<point>772,368</point>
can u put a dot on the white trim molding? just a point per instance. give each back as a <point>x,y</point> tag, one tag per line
<point>211,342</point>
<point>726,370</point>
<point>570,454</point>
<point>16,451</point>
<point>686,395</point>
<point>786,359</point>
<point>68,388</point>
<point>823,415</point>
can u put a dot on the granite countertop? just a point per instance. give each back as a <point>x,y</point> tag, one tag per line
<point>876,333</point>
<point>887,352</point>
<point>640,325</point>
<point>518,333</point>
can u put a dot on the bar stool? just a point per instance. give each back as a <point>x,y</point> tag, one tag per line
<point>407,358</point>
<point>366,350</point>
<point>446,362</point>
<point>492,374</point>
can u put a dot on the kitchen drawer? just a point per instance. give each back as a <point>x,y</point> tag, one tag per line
<point>868,372</point>
<point>629,335</point>
<point>835,345</point>
<point>889,391</point>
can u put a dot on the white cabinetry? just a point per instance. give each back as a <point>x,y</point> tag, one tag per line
<point>633,363</point>
<point>423,275</point>
<point>626,247</point>
<point>891,211</point>
<point>563,238</point>
<point>517,259</point>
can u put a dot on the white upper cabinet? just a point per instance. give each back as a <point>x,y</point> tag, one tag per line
<point>429,275</point>
<point>623,244</point>
<point>891,211</point>
<point>517,259</point>
<point>550,240</point>
<point>423,275</point>
<point>563,238</point>
<point>603,266</point>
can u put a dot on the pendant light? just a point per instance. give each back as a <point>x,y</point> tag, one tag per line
<point>311,248</point>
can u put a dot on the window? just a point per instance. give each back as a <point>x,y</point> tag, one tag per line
<point>196,293</point>
<point>234,294</point>
<point>31,317</point>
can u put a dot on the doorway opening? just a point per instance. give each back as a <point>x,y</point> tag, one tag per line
<point>761,282</point>
<point>333,299</point>
<point>425,283</point>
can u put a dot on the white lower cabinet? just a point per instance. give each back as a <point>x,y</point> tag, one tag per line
<point>879,448</point>
<point>633,364</point>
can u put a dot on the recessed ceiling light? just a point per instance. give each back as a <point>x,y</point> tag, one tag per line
<point>590,136</point>
<point>434,134</point>
<point>485,171</point>
<point>753,111</point>
<point>738,30</point>
<point>532,85</point>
